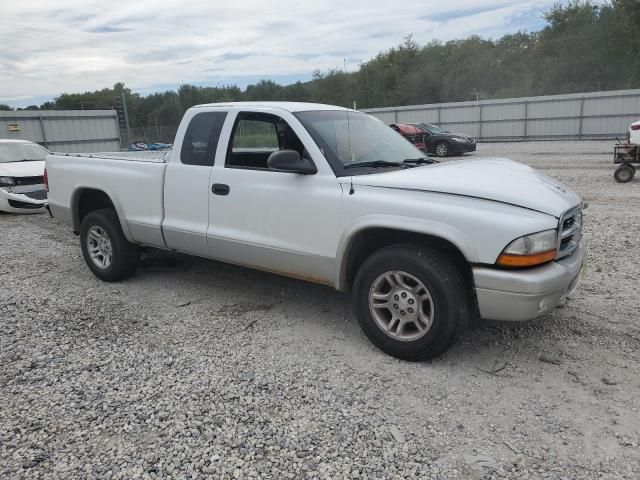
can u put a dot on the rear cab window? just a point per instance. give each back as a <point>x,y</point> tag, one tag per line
<point>201,139</point>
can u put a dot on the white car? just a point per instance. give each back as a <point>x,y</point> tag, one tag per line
<point>21,176</point>
<point>334,196</point>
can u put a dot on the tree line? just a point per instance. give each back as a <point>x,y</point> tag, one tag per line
<point>584,46</point>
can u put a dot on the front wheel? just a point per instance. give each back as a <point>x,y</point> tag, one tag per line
<point>411,301</point>
<point>107,252</point>
<point>442,149</point>
<point>624,173</point>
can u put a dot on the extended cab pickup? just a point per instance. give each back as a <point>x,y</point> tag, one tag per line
<point>334,196</point>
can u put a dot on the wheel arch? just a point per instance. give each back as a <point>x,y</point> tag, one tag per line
<point>362,242</point>
<point>88,199</point>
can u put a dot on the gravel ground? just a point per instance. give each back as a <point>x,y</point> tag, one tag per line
<point>196,369</point>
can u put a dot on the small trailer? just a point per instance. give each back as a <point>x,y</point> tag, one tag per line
<point>627,155</point>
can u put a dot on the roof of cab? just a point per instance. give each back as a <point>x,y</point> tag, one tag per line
<point>288,106</point>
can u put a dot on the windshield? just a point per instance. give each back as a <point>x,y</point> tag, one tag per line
<point>349,138</point>
<point>433,129</point>
<point>21,151</point>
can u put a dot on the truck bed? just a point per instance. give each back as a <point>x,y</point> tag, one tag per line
<point>134,182</point>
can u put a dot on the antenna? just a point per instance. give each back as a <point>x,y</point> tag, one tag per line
<point>351,190</point>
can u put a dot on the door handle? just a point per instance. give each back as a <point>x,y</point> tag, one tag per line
<point>220,189</point>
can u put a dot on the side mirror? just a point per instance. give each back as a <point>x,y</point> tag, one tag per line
<point>290,161</point>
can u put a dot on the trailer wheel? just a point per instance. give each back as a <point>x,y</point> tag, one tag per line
<point>624,173</point>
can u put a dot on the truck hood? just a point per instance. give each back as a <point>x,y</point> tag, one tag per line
<point>22,169</point>
<point>496,179</point>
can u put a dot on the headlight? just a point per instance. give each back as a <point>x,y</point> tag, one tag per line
<point>7,181</point>
<point>459,139</point>
<point>530,250</point>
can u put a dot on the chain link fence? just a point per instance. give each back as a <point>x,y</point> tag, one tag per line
<point>153,134</point>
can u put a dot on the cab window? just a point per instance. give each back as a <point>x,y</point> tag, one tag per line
<point>201,139</point>
<point>256,136</point>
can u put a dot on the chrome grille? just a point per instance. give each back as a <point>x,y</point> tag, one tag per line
<point>569,231</point>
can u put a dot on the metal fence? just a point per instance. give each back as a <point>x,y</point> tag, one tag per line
<point>77,131</point>
<point>588,116</point>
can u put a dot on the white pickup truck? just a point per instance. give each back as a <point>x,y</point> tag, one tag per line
<point>334,196</point>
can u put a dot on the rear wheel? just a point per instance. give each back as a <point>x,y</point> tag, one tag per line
<point>107,252</point>
<point>411,301</point>
<point>442,149</point>
<point>624,173</point>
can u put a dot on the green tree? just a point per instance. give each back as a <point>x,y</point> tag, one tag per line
<point>265,90</point>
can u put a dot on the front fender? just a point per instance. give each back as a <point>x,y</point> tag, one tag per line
<point>404,224</point>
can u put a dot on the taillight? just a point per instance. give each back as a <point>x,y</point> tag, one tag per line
<point>635,126</point>
<point>45,179</point>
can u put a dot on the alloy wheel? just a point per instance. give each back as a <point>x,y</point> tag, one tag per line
<point>99,247</point>
<point>401,306</point>
<point>442,150</point>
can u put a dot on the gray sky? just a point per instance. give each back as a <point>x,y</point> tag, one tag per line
<point>52,47</point>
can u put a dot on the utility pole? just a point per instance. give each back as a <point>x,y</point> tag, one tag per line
<point>155,118</point>
<point>126,116</point>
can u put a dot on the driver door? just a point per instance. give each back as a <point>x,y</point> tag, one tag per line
<point>278,221</point>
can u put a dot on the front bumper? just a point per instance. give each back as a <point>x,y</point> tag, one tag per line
<point>20,199</point>
<point>525,294</point>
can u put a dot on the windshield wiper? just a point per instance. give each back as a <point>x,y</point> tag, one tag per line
<point>375,164</point>
<point>30,160</point>
<point>419,161</point>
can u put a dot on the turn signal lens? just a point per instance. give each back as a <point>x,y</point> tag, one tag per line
<point>530,250</point>
<point>507,260</point>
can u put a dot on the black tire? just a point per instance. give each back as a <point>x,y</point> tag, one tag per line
<point>442,149</point>
<point>443,280</point>
<point>624,173</point>
<point>125,256</point>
